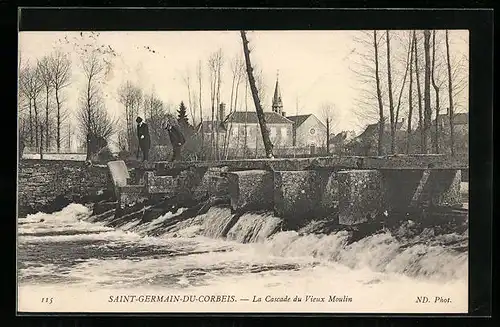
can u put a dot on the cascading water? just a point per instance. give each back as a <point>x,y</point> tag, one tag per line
<point>73,254</point>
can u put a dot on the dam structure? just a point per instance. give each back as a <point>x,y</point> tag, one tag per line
<point>346,191</point>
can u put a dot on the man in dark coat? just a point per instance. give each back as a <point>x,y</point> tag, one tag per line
<point>144,140</point>
<point>176,138</point>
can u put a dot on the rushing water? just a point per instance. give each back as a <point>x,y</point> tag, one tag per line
<point>67,261</point>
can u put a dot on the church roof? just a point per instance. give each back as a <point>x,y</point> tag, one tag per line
<point>298,120</point>
<point>250,117</point>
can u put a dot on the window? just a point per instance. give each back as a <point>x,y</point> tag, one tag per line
<point>284,132</point>
<point>312,131</point>
<point>273,131</point>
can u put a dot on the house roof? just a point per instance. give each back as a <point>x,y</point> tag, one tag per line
<point>298,120</point>
<point>460,118</point>
<point>250,117</point>
<point>207,127</point>
<point>373,129</point>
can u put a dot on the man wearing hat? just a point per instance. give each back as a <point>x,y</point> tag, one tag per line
<point>176,138</point>
<point>144,140</point>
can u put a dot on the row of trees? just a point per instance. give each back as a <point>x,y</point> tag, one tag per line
<point>41,100</point>
<point>412,73</point>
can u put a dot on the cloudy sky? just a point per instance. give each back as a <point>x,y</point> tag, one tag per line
<point>314,66</point>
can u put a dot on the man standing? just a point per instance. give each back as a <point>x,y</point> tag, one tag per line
<point>176,138</point>
<point>144,140</point>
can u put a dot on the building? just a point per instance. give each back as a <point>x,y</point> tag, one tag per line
<point>308,131</point>
<point>244,130</point>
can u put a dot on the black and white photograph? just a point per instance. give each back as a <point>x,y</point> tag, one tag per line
<point>315,171</point>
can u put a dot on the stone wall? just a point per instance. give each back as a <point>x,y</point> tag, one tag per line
<point>50,185</point>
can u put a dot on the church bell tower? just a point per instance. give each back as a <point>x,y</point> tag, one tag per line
<point>277,103</point>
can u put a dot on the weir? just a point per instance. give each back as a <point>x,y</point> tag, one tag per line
<point>344,190</point>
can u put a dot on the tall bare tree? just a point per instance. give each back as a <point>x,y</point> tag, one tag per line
<point>60,68</point>
<point>436,90</point>
<point>427,90</point>
<point>450,94</point>
<point>130,96</point>
<point>379,97</point>
<point>237,71</point>
<point>328,114</point>
<point>94,120</point>
<point>44,71</point>
<point>419,94</point>
<point>260,113</point>
<point>199,76</point>
<point>215,62</point>
<point>391,99</point>
<point>31,86</point>
<point>410,95</point>
<point>187,81</point>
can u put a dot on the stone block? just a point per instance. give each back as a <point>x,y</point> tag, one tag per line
<point>327,182</point>
<point>360,195</point>
<point>446,187</point>
<point>131,194</point>
<point>251,189</point>
<point>119,174</point>
<point>295,193</point>
<point>442,188</point>
<point>160,184</point>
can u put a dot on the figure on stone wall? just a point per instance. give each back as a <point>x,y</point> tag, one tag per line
<point>176,138</point>
<point>144,139</point>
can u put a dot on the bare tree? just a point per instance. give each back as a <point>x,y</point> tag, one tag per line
<point>427,90</point>
<point>410,95</point>
<point>450,94</point>
<point>130,96</point>
<point>237,71</point>
<point>44,71</point>
<point>60,68</point>
<point>436,90</point>
<point>328,115</point>
<point>379,97</point>
<point>31,86</point>
<point>199,75</point>
<point>215,62</point>
<point>391,100</point>
<point>155,115</point>
<point>419,94</point>
<point>187,80</point>
<point>260,113</point>
<point>95,122</point>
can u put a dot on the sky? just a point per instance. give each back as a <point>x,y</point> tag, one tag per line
<point>313,66</point>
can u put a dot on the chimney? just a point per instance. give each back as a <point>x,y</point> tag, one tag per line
<point>222,111</point>
<point>283,113</point>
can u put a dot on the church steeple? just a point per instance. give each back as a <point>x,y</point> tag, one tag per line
<point>277,103</point>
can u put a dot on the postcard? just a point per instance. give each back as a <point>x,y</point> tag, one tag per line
<point>251,171</point>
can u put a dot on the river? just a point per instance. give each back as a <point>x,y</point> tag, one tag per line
<point>68,262</point>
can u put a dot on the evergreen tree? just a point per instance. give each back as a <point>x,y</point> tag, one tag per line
<point>181,115</point>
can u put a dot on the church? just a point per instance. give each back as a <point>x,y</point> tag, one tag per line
<point>285,132</point>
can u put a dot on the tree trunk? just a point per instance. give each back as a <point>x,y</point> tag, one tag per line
<point>419,93</point>
<point>427,90</point>
<point>36,124</point>
<point>379,97</point>
<point>450,96</point>
<point>410,98</point>
<point>47,119</point>
<point>328,136</point>
<point>58,140</point>
<point>201,109</point>
<point>436,90</point>
<point>391,100</point>
<point>30,123</point>
<point>260,113</point>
